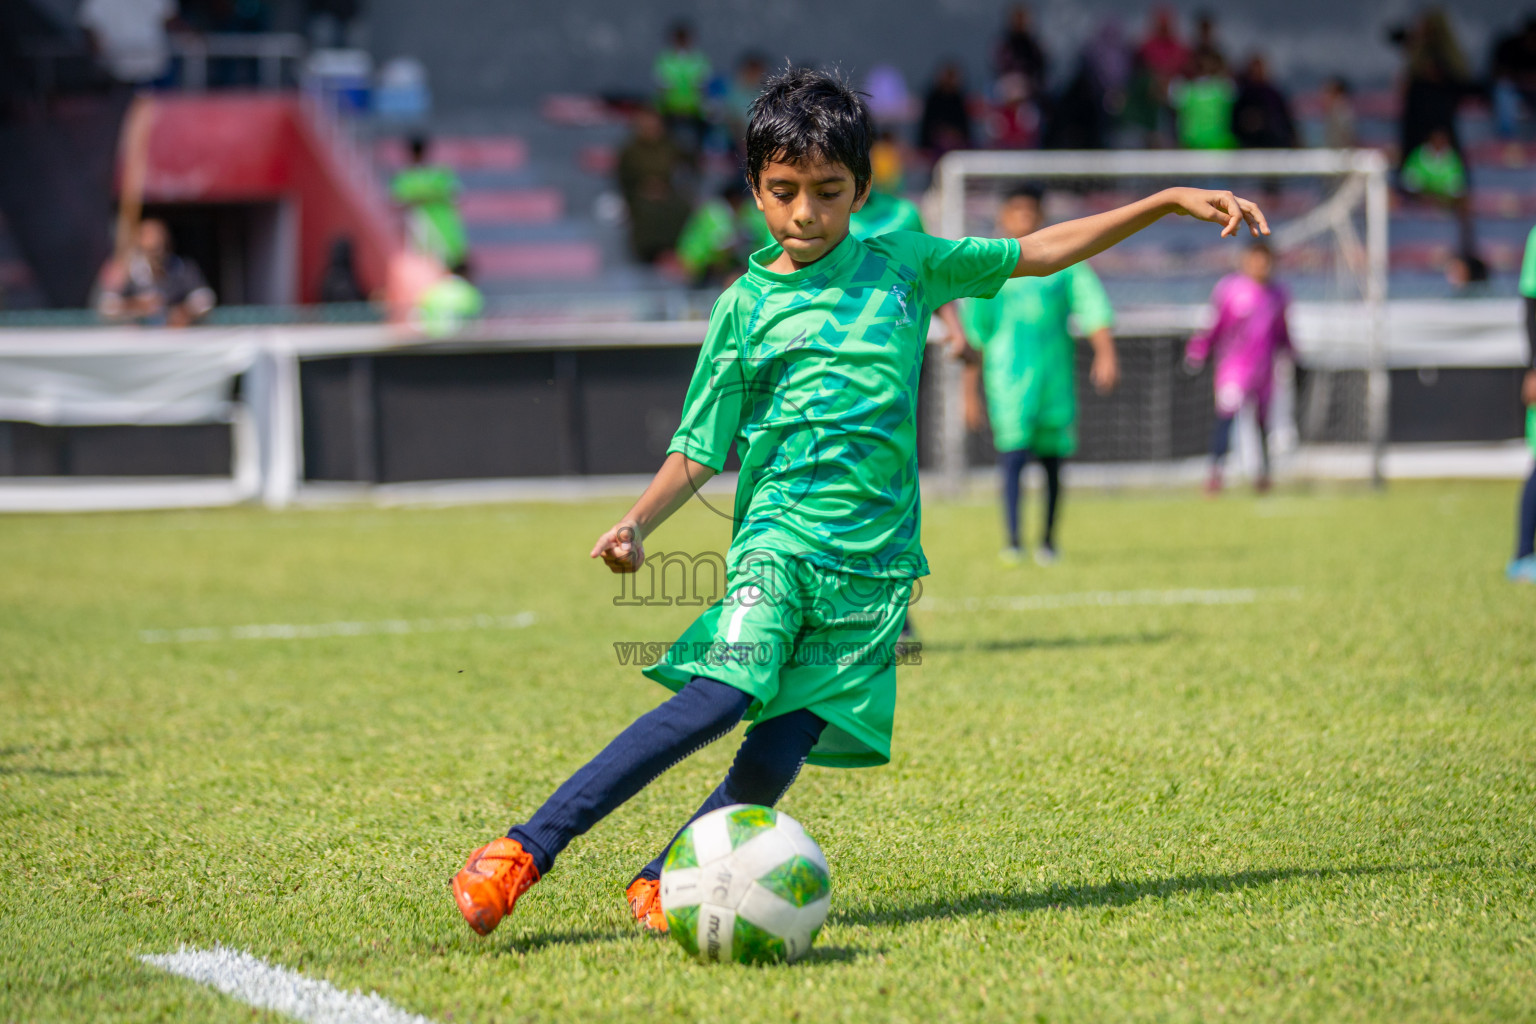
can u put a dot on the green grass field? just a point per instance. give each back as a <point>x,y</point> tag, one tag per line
<point>1319,804</point>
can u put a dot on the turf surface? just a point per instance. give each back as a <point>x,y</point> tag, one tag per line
<point>1314,806</point>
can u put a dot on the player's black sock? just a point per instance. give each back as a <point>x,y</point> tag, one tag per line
<point>767,764</point>
<point>696,716</point>
<point>1052,466</point>
<point>1012,464</point>
<point>1525,542</point>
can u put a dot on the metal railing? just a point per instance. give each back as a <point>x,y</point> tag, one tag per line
<point>191,55</point>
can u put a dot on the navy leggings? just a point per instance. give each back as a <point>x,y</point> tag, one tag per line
<point>696,716</point>
<point>1221,441</point>
<point>1012,466</point>
<point>1525,540</point>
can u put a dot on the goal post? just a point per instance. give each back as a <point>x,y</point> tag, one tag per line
<point>1327,211</point>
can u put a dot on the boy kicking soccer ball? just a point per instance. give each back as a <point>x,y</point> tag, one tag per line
<point>1024,337</point>
<point>810,368</point>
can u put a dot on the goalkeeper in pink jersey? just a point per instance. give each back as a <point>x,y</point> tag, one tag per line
<point>1248,334</point>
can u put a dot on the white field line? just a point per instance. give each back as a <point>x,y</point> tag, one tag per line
<point>1108,599</point>
<point>241,976</point>
<point>313,631</point>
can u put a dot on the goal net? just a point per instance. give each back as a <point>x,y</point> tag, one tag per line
<point>1327,210</point>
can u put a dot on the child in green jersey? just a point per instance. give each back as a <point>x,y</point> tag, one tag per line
<point>430,195</point>
<point>682,72</point>
<point>1024,335</point>
<point>809,371</point>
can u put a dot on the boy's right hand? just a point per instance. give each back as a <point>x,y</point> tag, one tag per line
<point>1528,389</point>
<point>620,548</point>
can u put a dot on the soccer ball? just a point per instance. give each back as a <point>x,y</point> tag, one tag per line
<point>745,883</point>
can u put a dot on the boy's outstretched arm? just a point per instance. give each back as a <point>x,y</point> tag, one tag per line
<point>621,547</point>
<point>1059,246</point>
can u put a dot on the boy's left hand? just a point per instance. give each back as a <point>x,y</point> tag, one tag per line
<point>1219,207</point>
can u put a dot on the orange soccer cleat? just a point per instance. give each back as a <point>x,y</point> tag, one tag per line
<point>644,895</point>
<point>491,881</point>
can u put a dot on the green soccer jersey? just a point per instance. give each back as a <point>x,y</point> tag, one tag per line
<point>1204,108</point>
<point>431,194</point>
<point>1029,356</point>
<point>882,214</point>
<point>813,376</point>
<point>1435,173</point>
<point>708,237</point>
<point>680,79</point>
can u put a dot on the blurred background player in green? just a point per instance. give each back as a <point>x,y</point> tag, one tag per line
<point>430,194</point>
<point>1523,567</point>
<point>1025,353</point>
<point>1203,104</point>
<point>682,73</point>
<point>719,236</point>
<point>1434,171</point>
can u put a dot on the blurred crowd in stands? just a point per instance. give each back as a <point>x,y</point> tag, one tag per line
<point>1175,86</point>
<point>1170,82</point>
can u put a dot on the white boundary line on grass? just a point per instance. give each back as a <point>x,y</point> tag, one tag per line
<point>1108,599</point>
<point>296,631</point>
<point>256,983</point>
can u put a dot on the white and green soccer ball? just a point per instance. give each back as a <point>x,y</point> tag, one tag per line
<point>745,884</point>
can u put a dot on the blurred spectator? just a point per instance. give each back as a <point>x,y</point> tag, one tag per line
<point>1013,120</point>
<point>888,163</point>
<point>713,245</point>
<point>1084,115</point>
<point>1435,172</point>
<point>650,167</point>
<point>1338,114</point>
<point>1018,52</point>
<point>339,282</point>
<point>740,93</point>
<point>890,101</point>
<point>681,73</point>
<point>946,121</point>
<point>430,195</point>
<point>1163,53</point>
<point>1206,47</point>
<point>151,285</point>
<point>332,24</point>
<point>402,93</point>
<point>1161,58</point>
<point>1107,52</point>
<point>129,37</point>
<point>1435,84</point>
<point>1203,106</point>
<point>1261,115</point>
<point>1512,71</point>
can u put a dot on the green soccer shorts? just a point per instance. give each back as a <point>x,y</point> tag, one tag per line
<point>793,635</point>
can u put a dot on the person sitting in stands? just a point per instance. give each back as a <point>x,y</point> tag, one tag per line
<point>151,285</point>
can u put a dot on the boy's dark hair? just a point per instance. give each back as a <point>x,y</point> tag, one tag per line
<point>1026,190</point>
<point>803,114</point>
<point>1259,245</point>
